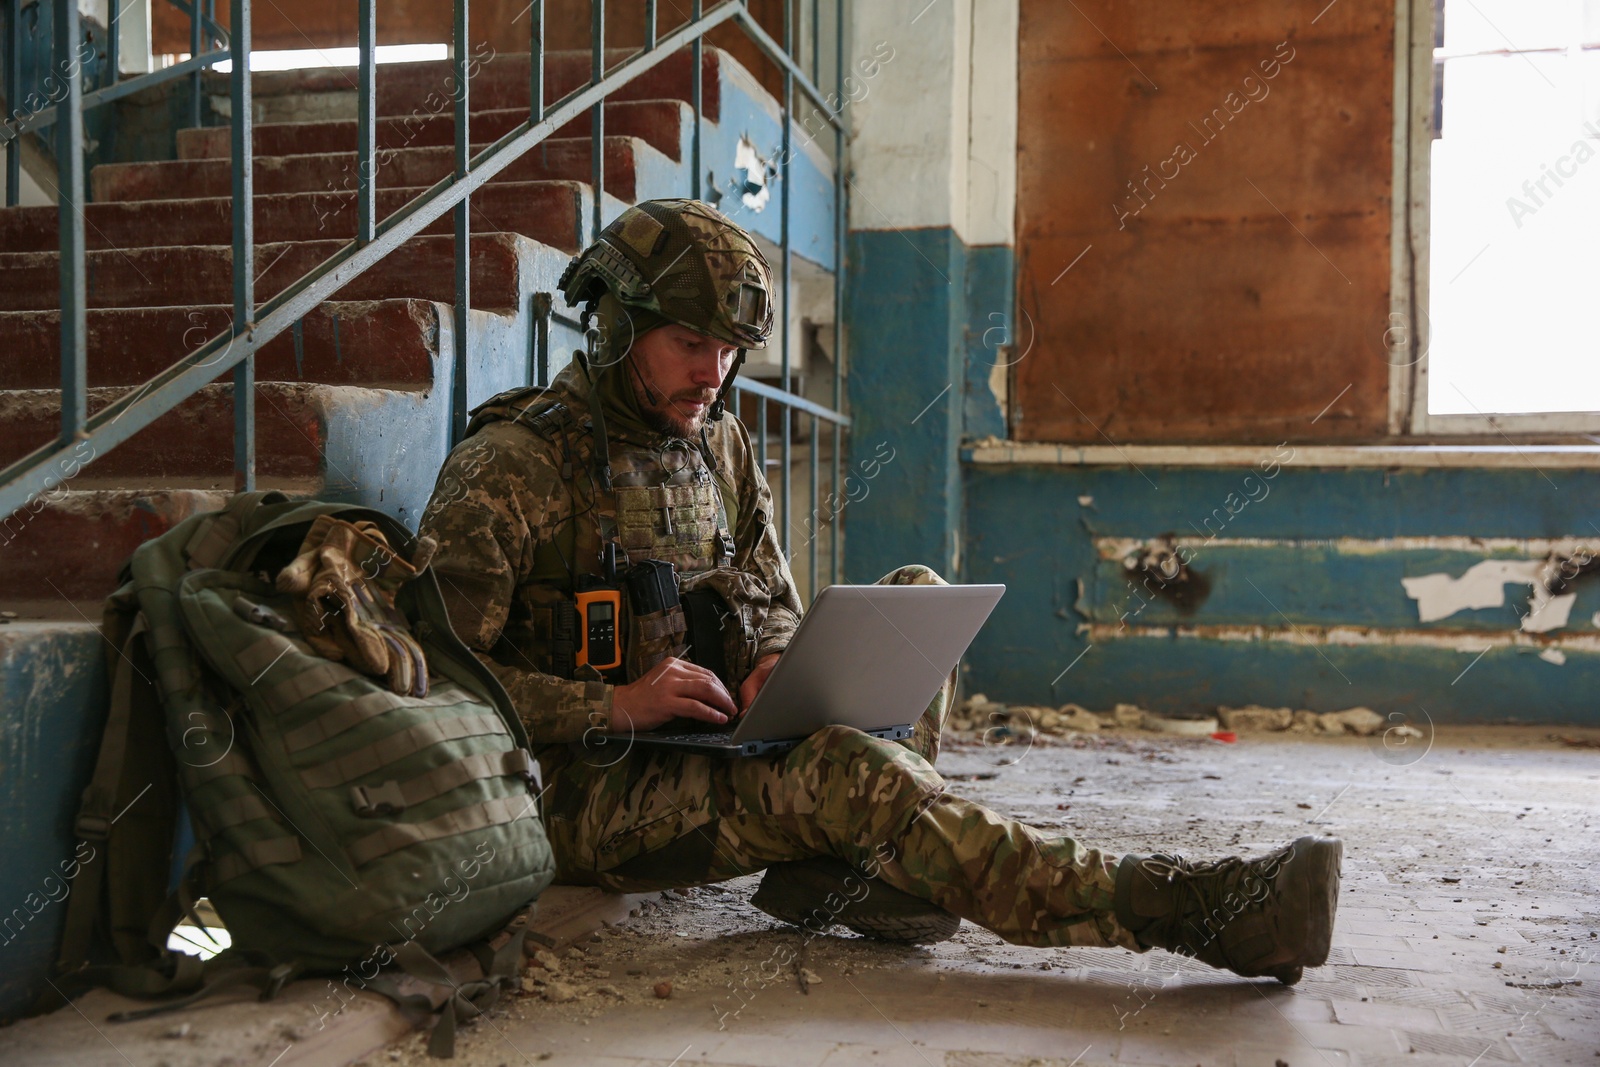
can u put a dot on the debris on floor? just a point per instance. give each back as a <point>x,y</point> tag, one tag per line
<point>1002,722</point>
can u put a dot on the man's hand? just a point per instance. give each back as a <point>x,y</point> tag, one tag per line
<point>674,688</point>
<point>758,678</point>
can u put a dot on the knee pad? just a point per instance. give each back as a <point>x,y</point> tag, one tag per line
<point>912,574</point>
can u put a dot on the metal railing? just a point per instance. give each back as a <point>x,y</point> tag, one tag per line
<point>253,327</point>
<point>203,28</point>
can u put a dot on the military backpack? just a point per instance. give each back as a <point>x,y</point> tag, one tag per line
<point>339,825</point>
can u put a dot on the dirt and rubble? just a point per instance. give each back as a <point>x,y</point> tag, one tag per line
<point>980,714</point>
<point>1469,917</point>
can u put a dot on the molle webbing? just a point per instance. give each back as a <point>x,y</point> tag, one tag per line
<point>171,656</point>
<point>212,540</point>
<point>353,713</point>
<point>392,797</point>
<point>308,683</point>
<point>229,813</point>
<point>667,626</point>
<point>256,854</point>
<point>232,765</point>
<point>260,655</point>
<point>461,821</point>
<point>395,747</point>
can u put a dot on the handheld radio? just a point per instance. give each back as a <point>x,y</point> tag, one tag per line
<point>599,615</point>
<point>599,611</point>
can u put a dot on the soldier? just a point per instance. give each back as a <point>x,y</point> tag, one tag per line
<point>626,458</point>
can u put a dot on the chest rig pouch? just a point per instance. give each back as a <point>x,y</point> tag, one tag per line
<point>667,516</point>
<point>670,520</point>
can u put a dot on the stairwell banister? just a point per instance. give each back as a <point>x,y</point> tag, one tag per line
<point>252,327</point>
<point>18,124</point>
<point>13,62</point>
<point>244,241</point>
<point>217,33</point>
<point>46,116</point>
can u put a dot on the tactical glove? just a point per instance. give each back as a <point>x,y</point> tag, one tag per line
<point>344,582</point>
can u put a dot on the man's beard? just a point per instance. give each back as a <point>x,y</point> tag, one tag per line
<point>670,419</point>
<point>669,423</point>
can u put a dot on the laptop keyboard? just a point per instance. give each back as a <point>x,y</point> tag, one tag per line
<point>714,737</point>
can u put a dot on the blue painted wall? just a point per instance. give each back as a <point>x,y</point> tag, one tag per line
<point>921,342</point>
<point>1025,526</point>
<point>52,710</point>
<point>991,336</point>
<point>904,309</point>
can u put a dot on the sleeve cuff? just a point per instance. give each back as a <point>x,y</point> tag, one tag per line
<point>600,697</point>
<point>770,645</point>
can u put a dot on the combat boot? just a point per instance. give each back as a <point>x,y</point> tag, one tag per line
<point>1268,916</point>
<point>818,892</point>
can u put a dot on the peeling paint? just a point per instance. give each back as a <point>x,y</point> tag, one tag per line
<point>1351,636</point>
<point>999,384</point>
<point>748,161</point>
<point>1548,612</point>
<point>1439,596</point>
<point>1119,547</point>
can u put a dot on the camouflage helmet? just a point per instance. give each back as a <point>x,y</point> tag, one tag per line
<point>686,262</point>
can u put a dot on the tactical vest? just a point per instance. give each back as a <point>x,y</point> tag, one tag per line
<point>666,503</point>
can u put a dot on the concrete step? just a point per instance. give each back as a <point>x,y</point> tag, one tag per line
<point>201,274</point>
<point>194,439</point>
<point>496,81</point>
<point>736,108</point>
<point>390,342</point>
<point>374,436</point>
<point>656,122</point>
<point>566,159</point>
<point>550,212</point>
<point>69,543</point>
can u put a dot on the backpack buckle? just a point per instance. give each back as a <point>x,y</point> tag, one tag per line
<point>92,827</point>
<point>275,979</point>
<point>376,800</point>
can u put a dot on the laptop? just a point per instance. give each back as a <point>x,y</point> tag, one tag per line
<point>867,656</point>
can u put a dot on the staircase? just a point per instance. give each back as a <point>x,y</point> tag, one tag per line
<point>352,404</point>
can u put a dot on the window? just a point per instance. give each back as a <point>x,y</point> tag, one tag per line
<point>1504,227</point>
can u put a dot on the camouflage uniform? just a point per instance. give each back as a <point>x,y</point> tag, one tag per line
<point>518,514</point>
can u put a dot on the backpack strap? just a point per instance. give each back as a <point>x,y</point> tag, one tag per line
<point>215,538</point>
<point>199,979</point>
<point>133,784</point>
<point>463,999</point>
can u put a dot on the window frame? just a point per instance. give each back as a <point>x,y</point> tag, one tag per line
<point>1408,338</point>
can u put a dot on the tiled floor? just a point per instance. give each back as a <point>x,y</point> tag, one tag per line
<point>1467,933</point>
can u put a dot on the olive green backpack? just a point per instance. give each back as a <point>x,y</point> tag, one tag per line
<point>339,826</point>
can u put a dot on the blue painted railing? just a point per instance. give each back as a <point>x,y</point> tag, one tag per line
<point>253,327</point>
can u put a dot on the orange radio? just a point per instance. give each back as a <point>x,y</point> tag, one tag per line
<point>599,613</point>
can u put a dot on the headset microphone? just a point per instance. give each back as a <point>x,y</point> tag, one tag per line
<point>648,392</point>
